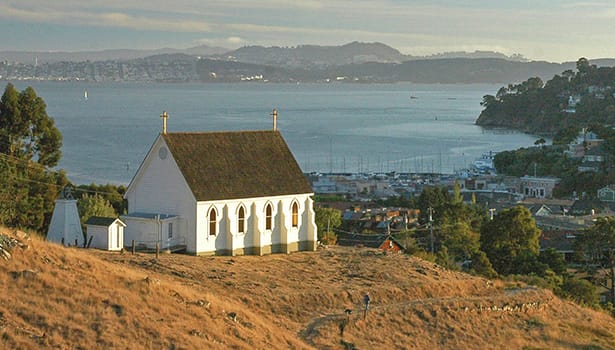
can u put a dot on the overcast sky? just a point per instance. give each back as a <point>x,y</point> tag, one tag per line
<point>553,30</point>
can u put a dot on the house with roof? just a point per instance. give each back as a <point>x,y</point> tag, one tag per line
<point>105,233</point>
<point>607,194</point>
<point>221,193</point>
<point>385,242</point>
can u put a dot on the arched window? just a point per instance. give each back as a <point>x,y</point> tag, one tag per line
<point>212,222</point>
<point>268,217</point>
<point>295,214</point>
<point>241,220</point>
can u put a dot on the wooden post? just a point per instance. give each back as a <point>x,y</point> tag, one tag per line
<point>133,247</point>
<point>157,249</point>
<point>90,241</point>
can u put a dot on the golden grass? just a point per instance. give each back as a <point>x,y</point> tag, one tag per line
<point>76,298</point>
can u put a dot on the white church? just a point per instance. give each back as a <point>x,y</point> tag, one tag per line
<point>221,193</point>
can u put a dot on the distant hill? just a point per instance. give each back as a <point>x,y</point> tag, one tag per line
<point>41,57</point>
<point>71,298</point>
<point>313,56</point>
<point>476,54</point>
<point>353,62</point>
<point>581,96</point>
<point>454,70</point>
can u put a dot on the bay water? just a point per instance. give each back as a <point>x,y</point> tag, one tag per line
<point>108,128</point>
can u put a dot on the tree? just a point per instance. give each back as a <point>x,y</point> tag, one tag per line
<point>511,234</point>
<point>113,193</point>
<point>29,143</point>
<point>94,205</point>
<point>26,131</point>
<point>580,290</point>
<point>327,220</point>
<point>459,239</point>
<point>481,265</point>
<point>598,244</point>
<point>540,142</point>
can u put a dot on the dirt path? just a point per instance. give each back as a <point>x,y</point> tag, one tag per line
<point>488,303</point>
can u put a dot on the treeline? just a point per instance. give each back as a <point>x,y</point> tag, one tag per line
<point>573,99</point>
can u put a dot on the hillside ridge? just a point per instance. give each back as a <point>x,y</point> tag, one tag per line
<point>67,297</point>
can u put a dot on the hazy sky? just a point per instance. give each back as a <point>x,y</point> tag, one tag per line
<point>554,30</point>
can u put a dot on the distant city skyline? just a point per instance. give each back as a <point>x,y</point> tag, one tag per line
<point>552,30</point>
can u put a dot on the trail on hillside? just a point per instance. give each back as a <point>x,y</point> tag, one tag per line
<point>487,303</point>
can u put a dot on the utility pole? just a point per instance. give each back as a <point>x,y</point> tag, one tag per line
<point>431,228</point>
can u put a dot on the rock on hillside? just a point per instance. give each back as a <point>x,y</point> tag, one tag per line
<point>93,299</point>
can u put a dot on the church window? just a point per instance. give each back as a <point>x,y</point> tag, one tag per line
<point>295,215</point>
<point>241,220</point>
<point>212,222</point>
<point>268,217</point>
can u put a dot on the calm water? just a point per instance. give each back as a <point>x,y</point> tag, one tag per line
<point>337,127</point>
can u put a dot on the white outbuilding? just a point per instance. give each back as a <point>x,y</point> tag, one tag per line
<point>105,233</point>
<point>65,226</point>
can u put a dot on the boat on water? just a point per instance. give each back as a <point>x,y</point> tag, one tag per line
<point>85,95</point>
<point>412,97</point>
<point>484,163</point>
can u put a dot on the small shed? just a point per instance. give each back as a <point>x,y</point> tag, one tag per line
<point>105,233</point>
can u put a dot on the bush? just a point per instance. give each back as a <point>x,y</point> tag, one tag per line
<point>581,291</point>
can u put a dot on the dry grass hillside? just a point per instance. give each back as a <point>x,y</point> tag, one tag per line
<point>67,298</point>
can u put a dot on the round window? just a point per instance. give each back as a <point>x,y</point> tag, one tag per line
<point>162,153</point>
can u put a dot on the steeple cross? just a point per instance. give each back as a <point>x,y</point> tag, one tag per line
<point>274,114</point>
<point>164,117</point>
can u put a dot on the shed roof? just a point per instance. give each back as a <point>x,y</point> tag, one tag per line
<point>102,221</point>
<point>239,164</point>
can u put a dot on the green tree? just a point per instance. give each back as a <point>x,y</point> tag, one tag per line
<point>554,260</point>
<point>598,244</point>
<point>540,142</point>
<point>327,220</point>
<point>580,290</point>
<point>29,144</point>
<point>512,233</point>
<point>113,193</point>
<point>94,205</point>
<point>26,131</point>
<point>459,239</point>
<point>481,265</point>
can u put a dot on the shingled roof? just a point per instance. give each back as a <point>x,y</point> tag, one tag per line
<point>239,164</point>
<point>101,221</point>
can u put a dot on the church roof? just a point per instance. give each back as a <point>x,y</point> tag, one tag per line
<point>238,164</point>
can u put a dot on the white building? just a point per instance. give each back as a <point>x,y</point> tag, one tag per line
<point>223,193</point>
<point>105,233</point>
<point>65,225</point>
